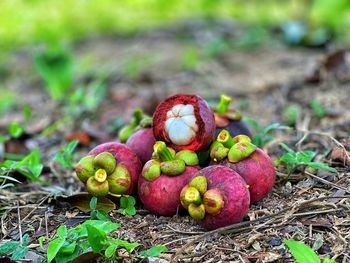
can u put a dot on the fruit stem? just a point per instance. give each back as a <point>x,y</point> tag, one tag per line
<point>137,117</point>
<point>225,138</point>
<point>162,151</point>
<point>146,122</point>
<point>100,175</point>
<point>223,104</point>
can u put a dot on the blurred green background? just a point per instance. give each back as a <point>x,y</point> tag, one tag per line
<point>27,22</point>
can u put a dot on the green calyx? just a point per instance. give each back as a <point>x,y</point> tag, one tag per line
<point>166,161</point>
<point>106,161</point>
<point>240,151</point>
<point>223,104</point>
<point>200,183</point>
<point>119,181</point>
<point>192,196</point>
<point>173,167</point>
<point>198,200</point>
<point>151,170</point>
<point>197,212</point>
<point>103,175</point>
<point>213,201</point>
<point>85,168</point>
<point>96,188</point>
<point>189,157</point>
<point>235,149</point>
<point>139,120</point>
<point>218,153</point>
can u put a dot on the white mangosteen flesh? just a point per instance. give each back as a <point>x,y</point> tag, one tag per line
<point>181,124</point>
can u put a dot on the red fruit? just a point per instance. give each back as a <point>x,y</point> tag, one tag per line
<point>226,200</point>
<point>258,171</point>
<point>125,157</point>
<point>184,122</point>
<point>162,195</point>
<point>141,142</point>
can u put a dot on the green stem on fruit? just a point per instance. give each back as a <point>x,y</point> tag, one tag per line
<point>100,175</point>
<point>162,151</point>
<point>129,129</point>
<point>223,104</point>
<point>146,122</point>
<point>225,138</point>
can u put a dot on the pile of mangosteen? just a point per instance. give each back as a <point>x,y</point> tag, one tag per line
<point>186,157</point>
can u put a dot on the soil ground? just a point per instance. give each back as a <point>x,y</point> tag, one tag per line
<point>263,80</point>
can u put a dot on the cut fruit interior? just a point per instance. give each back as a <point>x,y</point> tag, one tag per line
<point>181,124</point>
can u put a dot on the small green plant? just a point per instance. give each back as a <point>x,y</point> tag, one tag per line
<point>303,253</point>
<point>65,156</point>
<point>97,214</point>
<point>30,166</point>
<point>55,67</point>
<point>318,109</point>
<point>95,236</point>
<point>127,205</point>
<point>190,59</point>
<point>15,249</point>
<point>263,135</point>
<point>292,160</point>
<point>291,114</point>
<point>15,130</point>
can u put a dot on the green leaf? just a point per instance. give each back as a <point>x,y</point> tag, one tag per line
<point>321,166</point>
<point>110,251</point>
<point>27,112</point>
<point>41,241</point>
<point>68,248</point>
<point>65,156</point>
<point>15,130</point>
<point>100,215</point>
<point>124,244</point>
<point>153,251</point>
<point>30,166</point>
<point>93,202</point>
<point>305,156</point>
<point>130,210</point>
<point>53,248</point>
<point>127,205</point>
<point>62,231</point>
<point>65,258</point>
<point>96,238</point>
<point>318,109</point>
<point>328,260</point>
<point>19,253</point>
<point>8,247</point>
<point>301,252</point>
<point>55,66</point>
<point>25,240</point>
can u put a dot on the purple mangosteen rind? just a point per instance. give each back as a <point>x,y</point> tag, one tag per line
<point>252,163</point>
<point>164,176</point>
<point>228,193</point>
<point>127,168</point>
<point>141,142</point>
